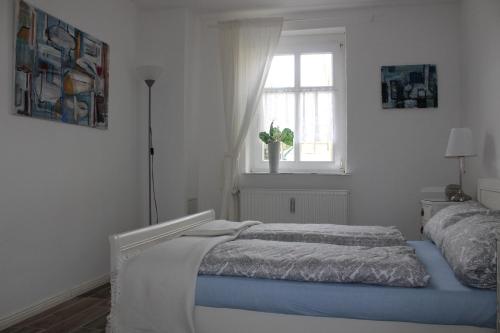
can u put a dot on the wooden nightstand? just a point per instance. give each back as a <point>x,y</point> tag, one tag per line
<point>431,207</point>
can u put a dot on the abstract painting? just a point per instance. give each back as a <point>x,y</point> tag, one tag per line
<point>61,72</point>
<point>410,86</point>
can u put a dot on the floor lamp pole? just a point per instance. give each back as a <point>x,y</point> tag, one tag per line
<point>150,147</point>
<point>149,74</point>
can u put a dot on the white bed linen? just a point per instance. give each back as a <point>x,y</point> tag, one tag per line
<point>155,290</point>
<point>223,320</point>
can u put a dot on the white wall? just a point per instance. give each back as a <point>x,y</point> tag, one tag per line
<point>392,154</point>
<point>64,188</point>
<point>480,27</point>
<point>163,39</point>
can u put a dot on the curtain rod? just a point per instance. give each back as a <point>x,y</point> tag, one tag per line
<point>212,20</point>
<point>214,24</point>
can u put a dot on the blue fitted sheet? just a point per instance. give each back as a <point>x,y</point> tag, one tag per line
<point>445,301</point>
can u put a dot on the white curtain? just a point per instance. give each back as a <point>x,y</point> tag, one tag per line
<point>247,48</point>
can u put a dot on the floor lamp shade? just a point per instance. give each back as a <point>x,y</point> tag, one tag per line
<point>149,72</point>
<point>460,143</point>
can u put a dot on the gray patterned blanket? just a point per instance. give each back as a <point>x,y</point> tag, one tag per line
<point>326,233</point>
<point>470,248</point>
<point>448,216</point>
<point>388,266</point>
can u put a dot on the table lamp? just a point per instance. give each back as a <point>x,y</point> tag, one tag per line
<point>460,145</point>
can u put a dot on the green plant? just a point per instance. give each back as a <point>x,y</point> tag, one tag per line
<point>276,135</point>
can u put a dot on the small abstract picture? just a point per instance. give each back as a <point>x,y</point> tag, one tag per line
<point>61,72</point>
<point>410,86</point>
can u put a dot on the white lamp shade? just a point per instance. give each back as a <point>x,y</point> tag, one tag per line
<point>149,72</point>
<point>460,143</point>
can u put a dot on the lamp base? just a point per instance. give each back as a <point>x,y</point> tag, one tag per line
<point>460,196</point>
<point>451,190</point>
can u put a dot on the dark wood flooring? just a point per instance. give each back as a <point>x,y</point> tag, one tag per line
<point>84,314</point>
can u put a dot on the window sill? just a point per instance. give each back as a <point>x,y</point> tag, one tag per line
<point>299,172</point>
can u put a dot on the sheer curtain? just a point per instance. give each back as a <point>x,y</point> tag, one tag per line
<point>246,48</point>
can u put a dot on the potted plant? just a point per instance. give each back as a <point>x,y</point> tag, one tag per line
<point>273,139</point>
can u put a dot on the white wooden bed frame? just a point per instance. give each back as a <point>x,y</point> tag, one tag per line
<point>220,320</point>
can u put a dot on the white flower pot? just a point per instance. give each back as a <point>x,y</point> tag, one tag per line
<point>274,156</point>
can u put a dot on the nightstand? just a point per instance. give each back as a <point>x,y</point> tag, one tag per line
<point>431,207</point>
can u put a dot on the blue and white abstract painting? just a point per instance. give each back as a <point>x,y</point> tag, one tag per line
<point>409,86</point>
<point>61,72</point>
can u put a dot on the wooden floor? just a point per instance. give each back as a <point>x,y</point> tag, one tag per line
<point>84,314</point>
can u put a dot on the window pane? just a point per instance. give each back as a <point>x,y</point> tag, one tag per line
<point>280,108</point>
<point>316,70</point>
<point>282,72</point>
<point>316,126</point>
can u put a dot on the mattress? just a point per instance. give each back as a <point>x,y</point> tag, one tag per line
<point>444,301</point>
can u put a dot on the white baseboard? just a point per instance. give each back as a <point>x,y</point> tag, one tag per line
<point>34,309</point>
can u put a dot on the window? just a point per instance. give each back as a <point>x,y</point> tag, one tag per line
<point>305,91</point>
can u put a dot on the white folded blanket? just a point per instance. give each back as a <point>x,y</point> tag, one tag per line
<point>155,290</point>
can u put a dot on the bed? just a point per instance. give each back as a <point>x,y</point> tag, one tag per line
<point>231,304</point>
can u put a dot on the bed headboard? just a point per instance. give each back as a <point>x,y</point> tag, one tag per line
<point>488,192</point>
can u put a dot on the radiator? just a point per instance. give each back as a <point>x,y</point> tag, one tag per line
<point>294,206</point>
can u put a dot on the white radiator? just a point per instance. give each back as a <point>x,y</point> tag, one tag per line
<point>295,206</point>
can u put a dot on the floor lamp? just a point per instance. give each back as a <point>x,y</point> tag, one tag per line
<point>149,74</point>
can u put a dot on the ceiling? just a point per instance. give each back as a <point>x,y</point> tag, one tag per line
<point>236,5</point>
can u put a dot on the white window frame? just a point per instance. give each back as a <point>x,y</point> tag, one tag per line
<point>304,44</point>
